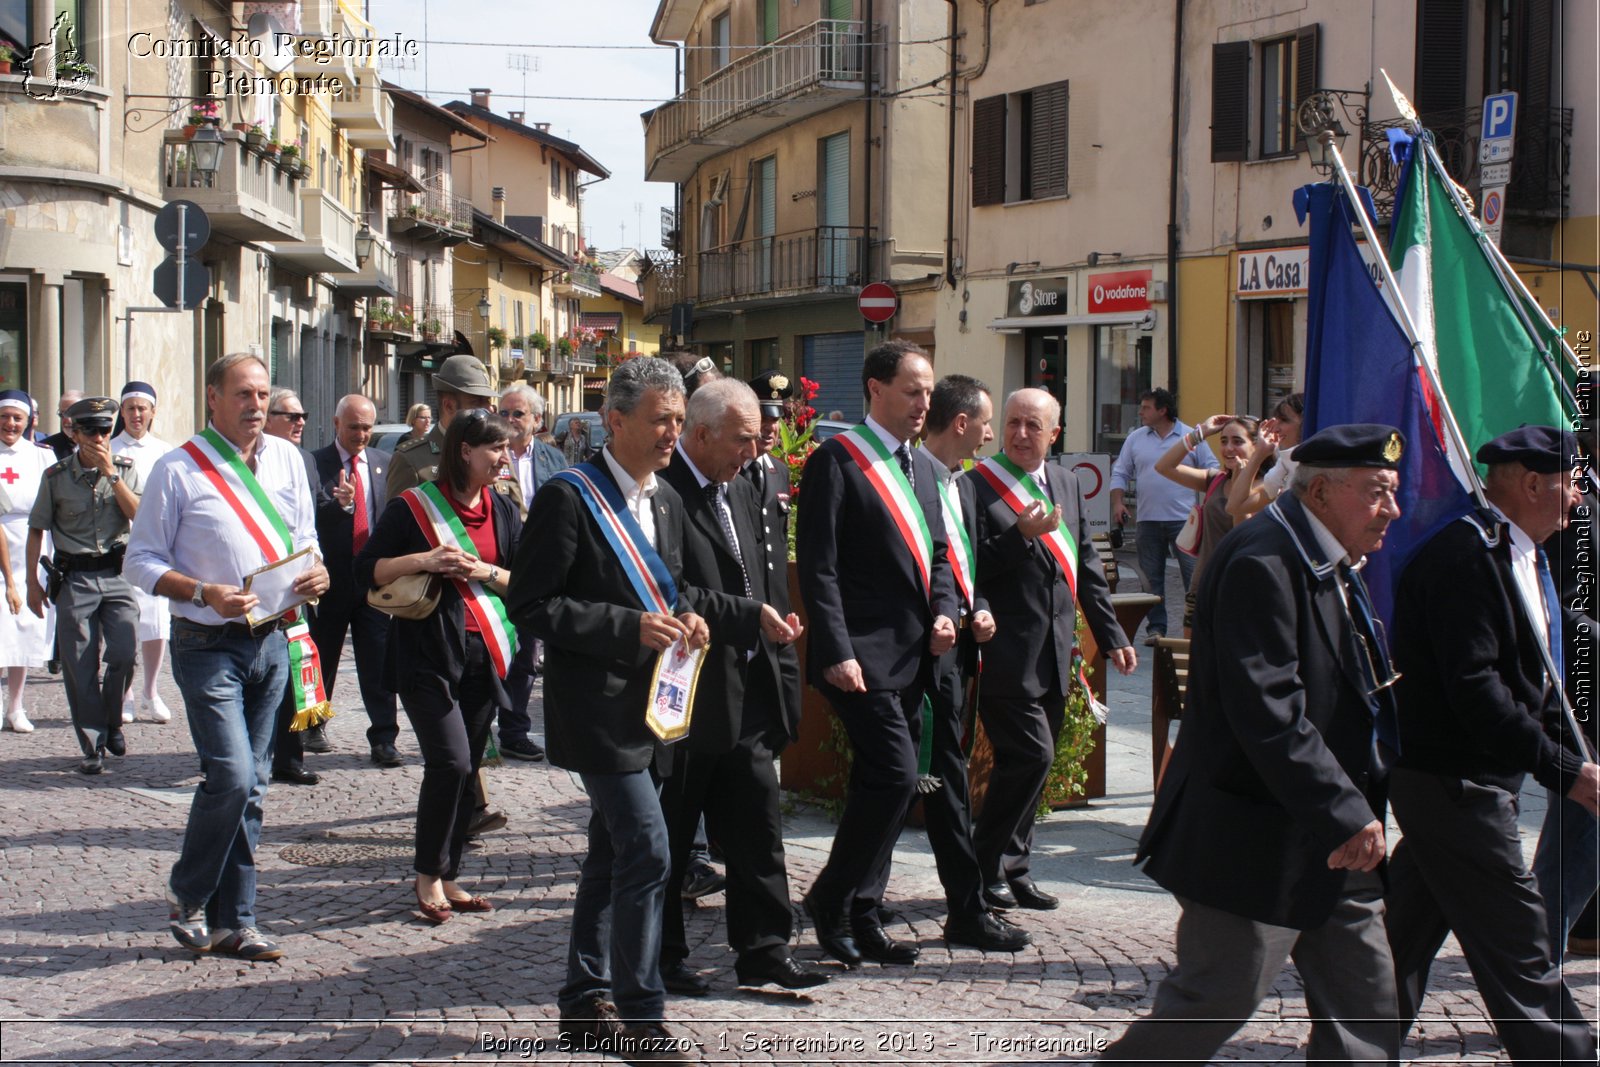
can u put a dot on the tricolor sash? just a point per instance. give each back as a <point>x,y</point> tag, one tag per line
<point>1018,489</point>
<point>883,473</point>
<point>239,488</point>
<point>436,515</point>
<point>646,570</point>
<point>962,560</point>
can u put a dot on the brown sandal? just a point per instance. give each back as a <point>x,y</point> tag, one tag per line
<point>437,914</point>
<point>471,904</point>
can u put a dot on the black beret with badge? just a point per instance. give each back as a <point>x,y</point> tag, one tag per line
<point>1355,444</point>
<point>772,388</point>
<point>94,413</point>
<point>1541,449</point>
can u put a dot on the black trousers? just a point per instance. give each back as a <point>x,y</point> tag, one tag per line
<point>1023,733</point>
<point>451,718</point>
<point>369,629</point>
<point>885,726</point>
<point>947,809</point>
<point>737,791</point>
<point>288,751</point>
<point>1459,868</point>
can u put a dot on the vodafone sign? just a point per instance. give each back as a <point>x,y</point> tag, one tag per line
<point>1121,290</point>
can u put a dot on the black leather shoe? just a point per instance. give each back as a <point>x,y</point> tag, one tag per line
<point>702,880</point>
<point>116,744</point>
<point>91,764</point>
<point>833,933</point>
<point>1032,897</point>
<point>384,754</point>
<point>315,739</point>
<point>999,896</point>
<point>684,982</point>
<point>783,972</point>
<point>985,931</point>
<point>876,944</point>
<point>521,748</point>
<point>296,775</point>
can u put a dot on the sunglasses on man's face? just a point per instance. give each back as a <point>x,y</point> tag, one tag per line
<point>292,416</point>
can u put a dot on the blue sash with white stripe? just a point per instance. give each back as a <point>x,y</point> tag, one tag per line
<point>646,570</point>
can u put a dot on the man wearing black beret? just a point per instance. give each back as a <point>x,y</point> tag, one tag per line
<point>1268,825</point>
<point>1479,713</point>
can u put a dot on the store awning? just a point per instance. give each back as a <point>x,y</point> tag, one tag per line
<point>1146,318</point>
<point>605,321</point>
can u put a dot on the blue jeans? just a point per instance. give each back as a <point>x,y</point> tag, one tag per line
<point>1565,866</point>
<point>615,946</point>
<point>1156,541</point>
<point>231,687</point>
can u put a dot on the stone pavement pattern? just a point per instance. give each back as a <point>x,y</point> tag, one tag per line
<point>88,972</point>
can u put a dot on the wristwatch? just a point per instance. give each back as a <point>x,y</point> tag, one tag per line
<point>494,575</point>
<point>115,477</point>
<point>199,598</point>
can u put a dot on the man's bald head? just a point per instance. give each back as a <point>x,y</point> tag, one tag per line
<point>353,420</point>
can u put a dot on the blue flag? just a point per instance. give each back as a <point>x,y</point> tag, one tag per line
<point>1360,368</point>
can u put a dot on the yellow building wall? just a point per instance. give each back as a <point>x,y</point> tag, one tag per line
<point>1566,293</point>
<point>1207,326</point>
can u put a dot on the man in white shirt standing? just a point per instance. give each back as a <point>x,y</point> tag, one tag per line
<point>1163,504</point>
<point>221,506</point>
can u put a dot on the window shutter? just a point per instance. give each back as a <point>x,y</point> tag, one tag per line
<point>1306,75</point>
<point>989,151</point>
<point>1048,168</point>
<point>1441,62</point>
<point>1230,101</point>
<point>1538,53</point>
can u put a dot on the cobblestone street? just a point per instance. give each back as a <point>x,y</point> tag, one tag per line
<point>88,972</point>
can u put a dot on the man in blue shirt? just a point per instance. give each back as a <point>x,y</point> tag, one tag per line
<point>1163,503</point>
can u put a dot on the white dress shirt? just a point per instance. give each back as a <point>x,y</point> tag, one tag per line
<point>1525,568</point>
<point>142,451</point>
<point>890,441</point>
<point>522,467</point>
<point>638,497</point>
<point>374,505</point>
<point>185,525</point>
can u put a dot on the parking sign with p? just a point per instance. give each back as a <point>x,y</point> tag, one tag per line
<point>1499,128</point>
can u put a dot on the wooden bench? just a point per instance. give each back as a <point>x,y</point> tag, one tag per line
<point>1108,559</point>
<point>1166,699</point>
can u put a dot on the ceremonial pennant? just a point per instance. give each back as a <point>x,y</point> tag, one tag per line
<point>889,482</point>
<point>440,524</point>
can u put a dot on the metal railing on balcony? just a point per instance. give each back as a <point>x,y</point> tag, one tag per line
<point>436,322</point>
<point>249,196</point>
<point>1539,166</point>
<point>824,259</point>
<point>830,50</point>
<point>662,287</point>
<point>437,208</point>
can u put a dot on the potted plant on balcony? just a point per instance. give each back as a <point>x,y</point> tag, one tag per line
<point>289,158</point>
<point>403,320</point>
<point>380,316</point>
<point>564,347</point>
<point>271,149</point>
<point>497,337</point>
<point>432,329</point>
<point>539,343</point>
<point>201,113</point>
<point>255,136</point>
<point>519,345</point>
<point>8,56</point>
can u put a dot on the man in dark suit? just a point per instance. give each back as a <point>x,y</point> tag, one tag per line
<point>882,608</point>
<point>350,490</point>
<point>1029,519</point>
<point>1268,825</point>
<point>604,630</point>
<point>1479,712</point>
<point>770,478</point>
<point>724,768</point>
<point>959,417</point>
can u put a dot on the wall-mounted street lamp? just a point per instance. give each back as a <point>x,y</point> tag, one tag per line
<point>364,244</point>
<point>205,149</point>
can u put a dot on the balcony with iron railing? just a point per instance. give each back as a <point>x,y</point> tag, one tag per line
<point>816,263</point>
<point>582,280</point>
<point>801,73</point>
<point>1539,167</point>
<point>661,288</point>
<point>250,197</point>
<point>432,215</point>
<point>436,322</point>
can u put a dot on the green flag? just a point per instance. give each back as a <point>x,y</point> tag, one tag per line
<point>1494,372</point>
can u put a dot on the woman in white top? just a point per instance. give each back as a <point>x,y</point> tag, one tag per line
<point>136,442</point>
<point>24,637</point>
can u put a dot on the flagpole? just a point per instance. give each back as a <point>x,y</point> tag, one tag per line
<point>1431,153</point>
<point>1522,287</point>
<point>1409,327</point>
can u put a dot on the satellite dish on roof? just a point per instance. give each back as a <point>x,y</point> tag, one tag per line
<point>267,34</point>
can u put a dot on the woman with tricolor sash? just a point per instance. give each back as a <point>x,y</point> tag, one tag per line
<point>449,668</point>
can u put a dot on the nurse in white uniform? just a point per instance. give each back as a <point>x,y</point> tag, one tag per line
<point>144,448</point>
<point>24,638</point>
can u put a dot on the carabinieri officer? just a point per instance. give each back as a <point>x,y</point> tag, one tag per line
<point>87,502</point>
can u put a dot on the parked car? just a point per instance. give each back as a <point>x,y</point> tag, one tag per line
<point>827,428</point>
<point>386,435</point>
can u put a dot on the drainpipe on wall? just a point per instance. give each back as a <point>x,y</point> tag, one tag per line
<point>950,163</point>
<point>1172,202</point>
<point>866,159</point>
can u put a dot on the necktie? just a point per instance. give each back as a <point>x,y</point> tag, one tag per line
<point>1552,621</point>
<point>359,537</point>
<point>1385,721</point>
<point>758,477</point>
<point>725,517</point>
<point>903,454</point>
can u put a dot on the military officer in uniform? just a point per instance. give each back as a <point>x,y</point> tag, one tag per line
<point>462,384</point>
<point>86,503</point>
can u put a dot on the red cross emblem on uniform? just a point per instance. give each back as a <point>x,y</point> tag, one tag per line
<point>10,476</point>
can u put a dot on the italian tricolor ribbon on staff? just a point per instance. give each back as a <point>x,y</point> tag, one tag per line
<point>440,524</point>
<point>219,463</point>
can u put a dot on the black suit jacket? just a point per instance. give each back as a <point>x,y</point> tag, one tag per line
<point>1033,609</point>
<point>335,526</point>
<point>1473,698</point>
<point>864,597</point>
<point>1275,765</point>
<point>435,644</point>
<point>708,563</point>
<point>773,533</point>
<point>569,590</point>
